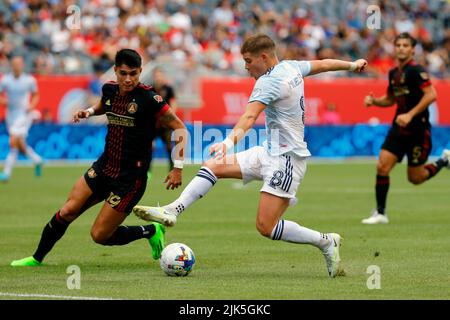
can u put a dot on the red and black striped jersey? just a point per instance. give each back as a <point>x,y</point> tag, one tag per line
<point>131,128</point>
<point>406,85</point>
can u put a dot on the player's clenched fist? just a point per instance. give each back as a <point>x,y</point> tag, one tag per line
<point>359,65</point>
<point>82,114</point>
<point>218,150</point>
<point>368,100</point>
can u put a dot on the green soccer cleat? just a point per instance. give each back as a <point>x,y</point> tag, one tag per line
<point>149,176</point>
<point>26,262</point>
<point>157,240</point>
<point>38,169</point>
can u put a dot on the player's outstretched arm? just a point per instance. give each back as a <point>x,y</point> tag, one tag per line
<point>245,122</point>
<point>96,109</point>
<point>325,65</point>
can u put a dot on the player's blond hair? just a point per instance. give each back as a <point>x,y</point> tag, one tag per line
<point>257,44</point>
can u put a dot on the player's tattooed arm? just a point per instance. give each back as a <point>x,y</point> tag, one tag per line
<point>170,120</point>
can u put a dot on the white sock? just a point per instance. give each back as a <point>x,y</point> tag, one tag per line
<point>293,232</point>
<point>10,161</point>
<point>195,190</point>
<point>30,153</point>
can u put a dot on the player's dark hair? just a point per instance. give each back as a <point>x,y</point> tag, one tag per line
<point>128,57</point>
<point>16,55</point>
<point>406,35</point>
<point>258,43</point>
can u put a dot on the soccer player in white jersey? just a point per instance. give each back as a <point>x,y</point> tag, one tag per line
<point>280,163</point>
<point>21,99</point>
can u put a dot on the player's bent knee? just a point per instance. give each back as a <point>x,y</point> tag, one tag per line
<point>99,237</point>
<point>13,143</point>
<point>383,169</point>
<point>264,229</point>
<point>415,180</point>
<point>213,166</point>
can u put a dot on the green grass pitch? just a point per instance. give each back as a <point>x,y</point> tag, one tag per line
<point>233,260</point>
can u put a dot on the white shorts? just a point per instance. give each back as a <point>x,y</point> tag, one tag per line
<point>281,174</point>
<point>21,125</point>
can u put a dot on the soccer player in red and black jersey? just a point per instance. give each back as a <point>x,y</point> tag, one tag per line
<point>411,89</point>
<point>118,177</point>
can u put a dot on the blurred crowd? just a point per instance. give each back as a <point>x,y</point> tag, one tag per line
<point>57,37</point>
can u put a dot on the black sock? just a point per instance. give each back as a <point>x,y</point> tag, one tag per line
<point>434,168</point>
<point>381,191</point>
<point>53,231</point>
<point>127,234</point>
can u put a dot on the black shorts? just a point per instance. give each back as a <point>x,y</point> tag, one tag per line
<point>120,194</point>
<point>416,145</point>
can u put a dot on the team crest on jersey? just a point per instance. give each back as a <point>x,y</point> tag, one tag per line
<point>424,75</point>
<point>91,173</point>
<point>108,102</point>
<point>132,107</point>
<point>158,98</point>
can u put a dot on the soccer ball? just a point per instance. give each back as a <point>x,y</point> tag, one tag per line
<point>177,260</point>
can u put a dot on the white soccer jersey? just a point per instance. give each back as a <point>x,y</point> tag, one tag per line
<point>281,89</point>
<point>18,91</point>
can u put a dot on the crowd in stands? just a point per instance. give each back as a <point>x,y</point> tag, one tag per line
<point>208,33</point>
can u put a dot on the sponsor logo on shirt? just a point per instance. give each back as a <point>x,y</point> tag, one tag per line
<point>119,120</point>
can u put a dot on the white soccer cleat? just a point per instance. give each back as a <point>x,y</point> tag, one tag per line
<point>331,255</point>
<point>446,156</point>
<point>158,214</point>
<point>376,218</point>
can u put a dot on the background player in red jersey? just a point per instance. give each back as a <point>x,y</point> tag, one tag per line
<point>119,176</point>
<point>410,88</point>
